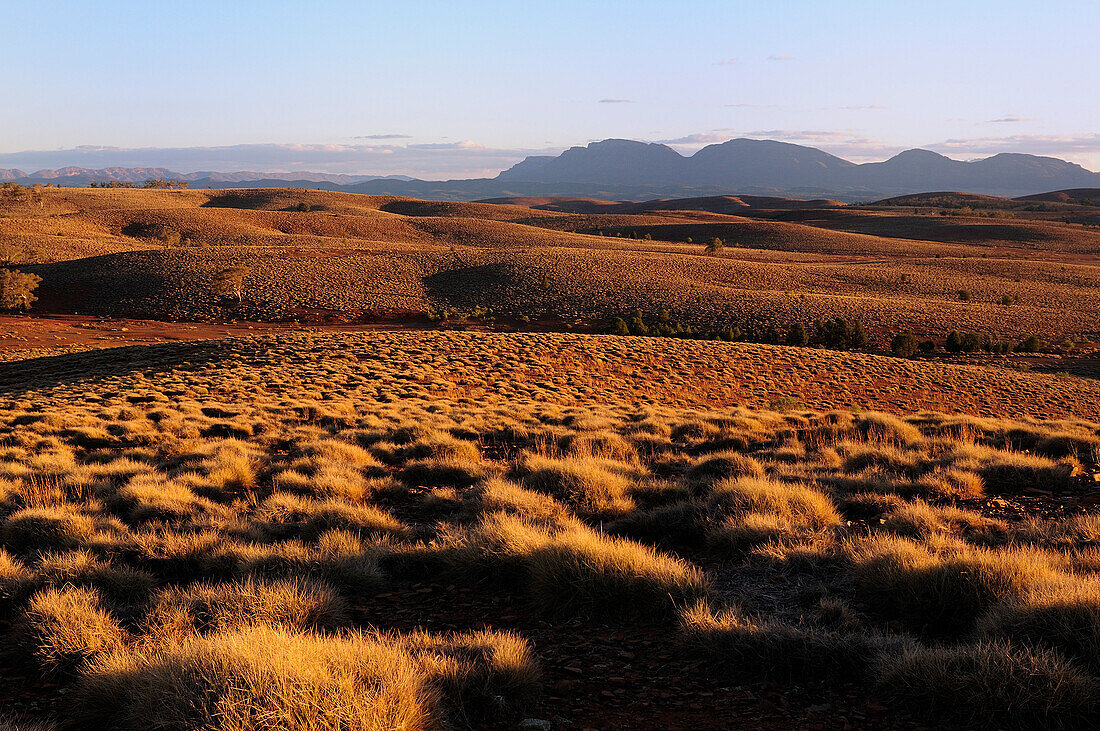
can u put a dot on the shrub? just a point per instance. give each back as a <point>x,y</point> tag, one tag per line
<point>904,345</point>
<point>965,295</point>
<point>839,333</point>
<point>797,335</point>
<point>1030,344</point>
<point>17,289</point>
<point>954,342</point>
<point>619,327</point>
<point>927,346</point>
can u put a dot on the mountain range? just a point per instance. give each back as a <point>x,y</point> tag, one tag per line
<point>629,170</point>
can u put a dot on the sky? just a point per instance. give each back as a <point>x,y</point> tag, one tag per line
<point>465,89</point>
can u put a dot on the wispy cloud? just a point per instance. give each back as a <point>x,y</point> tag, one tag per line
<point>463,145</point>
<point>1010,118</point>
<point>697,139</point>
<point>751,106</point>
<point>780,58</point>
<point>727,62</point>
<point>382,137</point>
<point>864,107</point>
<point>616,101</point>
<point>1081,147</point>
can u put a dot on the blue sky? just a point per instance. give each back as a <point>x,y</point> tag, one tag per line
<point>451,89</point>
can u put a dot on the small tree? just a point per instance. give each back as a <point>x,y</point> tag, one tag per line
<point>904,345</point>
<point>927,346</point>
<point>797,335</point>
<point>17,289</point>
<point>715,246</point>
<point>230,283</point>
<point>638,326</point>
<point>1030,344</point>
<point>954,342</point>
<point>619,327</point>
<point>965,296</point>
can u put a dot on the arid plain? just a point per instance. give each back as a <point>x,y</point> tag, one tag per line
<point>296,459</point>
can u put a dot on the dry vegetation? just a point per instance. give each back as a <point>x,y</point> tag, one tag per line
<point>433,528</point>
<point>157,254</point>
<point>415,530</point>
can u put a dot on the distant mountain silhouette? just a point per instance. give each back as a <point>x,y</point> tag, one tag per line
<point>638,171</point>
<point>76,176</point>
<point>743,165</point>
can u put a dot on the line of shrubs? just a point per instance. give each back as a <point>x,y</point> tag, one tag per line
<point>830,333</point>
<point>906,345</point>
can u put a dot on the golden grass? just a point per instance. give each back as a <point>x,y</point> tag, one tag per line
<point>240,567</point>
<point>68,627</point>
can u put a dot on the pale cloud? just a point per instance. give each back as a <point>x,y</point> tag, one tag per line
<point>1010,118</point>
<point>780,58</point>
<point>751,106</point>
<point>616,101</point>
<point>727,62</point>
<point>698,139</point>
<point>383,137</point>
<point>866,107</point>
<point>1083,149</point>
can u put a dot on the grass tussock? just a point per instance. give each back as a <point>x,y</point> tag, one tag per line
<point>743,648</point>
<point>68,627</point>
<point>754,510</point>
<point>572,568</point>
<point>990,683</point>
<point>591,486</point>
<point>215,562</point>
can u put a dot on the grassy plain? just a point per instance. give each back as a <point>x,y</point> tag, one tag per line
<point>234,525</point>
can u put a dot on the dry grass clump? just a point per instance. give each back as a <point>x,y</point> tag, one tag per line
<point>990,683</point>
<point>943,589</point>
<point>291,604</point>
<point>122,587</point>
<point>478,673</point>
<point>1064,616</point>
<point>572,568</point>
<point>259,678</point>
<point>263,677</point>
<point>68,627</point>
<point>1011,472</point>
<point>724,465</point>
<point>591,486</point>
<point>887,429</point>
<point>499,495</point>
<point>37,530</point>
<point>916,518</point>
<point>286,515</point>
<point>443,471</point>
<point>753,510</point>
<point>153,497</point>
<point>746,649</point>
